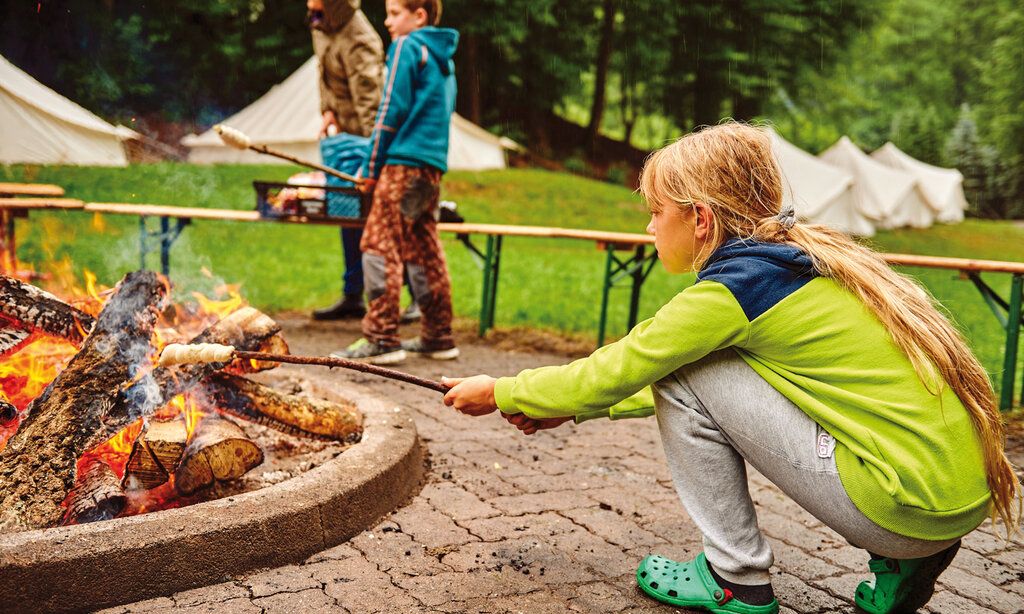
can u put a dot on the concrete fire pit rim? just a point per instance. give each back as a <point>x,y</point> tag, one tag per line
<point>279,524</point>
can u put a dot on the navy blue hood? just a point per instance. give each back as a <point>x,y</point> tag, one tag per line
<point>758,274</point>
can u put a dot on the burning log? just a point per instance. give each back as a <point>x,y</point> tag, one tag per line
<point>273,345</point>
<point>155,455</point>
<point>98,496</point>
<point>81,408</point>
<point>217,451</point>
<point>25,308</point>
<point>8,411</point>
<point>283,412</point>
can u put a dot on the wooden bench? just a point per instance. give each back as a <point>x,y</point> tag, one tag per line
<point>629,258</point>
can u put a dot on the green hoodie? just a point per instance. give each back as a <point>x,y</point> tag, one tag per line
<point>909,459</point>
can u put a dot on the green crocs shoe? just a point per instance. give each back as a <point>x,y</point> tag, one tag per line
<point>902,585</point>
<point>690,585</point>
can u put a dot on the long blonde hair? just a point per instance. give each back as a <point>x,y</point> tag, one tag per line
<point>731,169</point>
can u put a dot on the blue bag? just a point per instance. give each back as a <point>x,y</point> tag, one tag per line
<point>346,153</point>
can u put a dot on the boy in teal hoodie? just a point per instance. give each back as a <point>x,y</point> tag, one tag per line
<point>408,154</point>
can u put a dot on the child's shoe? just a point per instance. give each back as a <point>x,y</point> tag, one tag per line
<point>691,585</point>
<point>902,585</point>
<point>373,353</point>
<point>431,349</point>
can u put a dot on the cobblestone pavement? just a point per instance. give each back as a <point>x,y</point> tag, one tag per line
<point>556,522</point>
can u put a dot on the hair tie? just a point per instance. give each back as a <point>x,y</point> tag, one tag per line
<point>787,217</point>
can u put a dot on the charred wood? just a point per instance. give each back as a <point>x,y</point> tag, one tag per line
<point>98,495</point>
<point>217,451</point>
<point>287,413</point>
<point>81,408</point>
<point>26,308</point>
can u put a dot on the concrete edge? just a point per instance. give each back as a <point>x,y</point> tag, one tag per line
<point>87,567</point>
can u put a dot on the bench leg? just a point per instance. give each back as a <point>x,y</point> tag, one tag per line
<point>8,248</point>
<point>1012,339</point>
<point>488,299</point>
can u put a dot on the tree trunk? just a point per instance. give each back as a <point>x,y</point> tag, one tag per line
<point>471,84</point>
<point>81,408</point>
<point>284,412</point>
<point>707,94</point>
<point>604,56</point>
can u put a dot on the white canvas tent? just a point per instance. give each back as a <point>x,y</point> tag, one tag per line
<point>39,126</point>
<point>819,192</point>
<point>890,197</point>
<point>942,187</point>
<point>288,118</point>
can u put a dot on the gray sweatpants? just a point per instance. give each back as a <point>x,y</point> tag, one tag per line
<point>718,412</point>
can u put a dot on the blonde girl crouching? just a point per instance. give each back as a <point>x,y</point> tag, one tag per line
<point>799,352</point>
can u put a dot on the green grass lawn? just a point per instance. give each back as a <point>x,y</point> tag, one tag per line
<point>544,283</point>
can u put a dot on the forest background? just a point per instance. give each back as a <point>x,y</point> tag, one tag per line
<point>591,85</point>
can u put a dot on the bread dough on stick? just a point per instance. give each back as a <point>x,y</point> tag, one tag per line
<point>179,353</point>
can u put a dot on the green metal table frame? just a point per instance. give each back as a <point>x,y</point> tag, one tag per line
<point>1009,315</point>
<point>635,268</point>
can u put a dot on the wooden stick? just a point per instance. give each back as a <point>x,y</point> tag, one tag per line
<point>237,139</point>
<point>344,363</point>
<point>177,353</point>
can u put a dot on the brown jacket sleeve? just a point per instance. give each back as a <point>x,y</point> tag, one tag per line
<point>321,42</point>
<point>362,52</point>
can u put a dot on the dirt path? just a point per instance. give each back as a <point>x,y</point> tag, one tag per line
<point>555,522</point>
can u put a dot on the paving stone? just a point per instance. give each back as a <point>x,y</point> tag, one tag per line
<point>945,602</point>
<point>847,557</point>
<point>797,594</point>
<point>213,593</point>
<point>341,551</point>
<point>614,527</point>
<point>841,587</point>
<point>358,586</point>
<point>806,565</point>
<point>530,557</point>
<point>478,481</point>
<point>510,527</point>
<point>430,527</point>
<point>309,600</point>
<point>160,604</point>
<point>291,578</point>
<point>601,597</point>
<point>395,552</point>
<point>241,605</point>
<point>551,501</point>
<point>981,591</point>
<point>536,602</point>
<point>985,567</point>
<point>445,588</point>
<point>456,502</point>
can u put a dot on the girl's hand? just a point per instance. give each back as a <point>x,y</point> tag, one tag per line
<point>529,425</point>
<point>473,396</point>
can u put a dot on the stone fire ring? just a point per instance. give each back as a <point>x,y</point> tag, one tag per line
<point>91,566</point>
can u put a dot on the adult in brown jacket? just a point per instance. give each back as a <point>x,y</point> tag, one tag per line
<point>351,57</point>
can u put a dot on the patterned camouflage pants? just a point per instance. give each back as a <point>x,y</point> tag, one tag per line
<point>401,231</point>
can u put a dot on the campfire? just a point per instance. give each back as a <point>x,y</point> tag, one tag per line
<point>91,427</point>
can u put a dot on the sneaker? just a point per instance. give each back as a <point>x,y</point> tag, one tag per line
<point>431,349</point>
<point>411,314</point>
<point>350,307</point>
<point>373,353</point>
<point>902,585</point>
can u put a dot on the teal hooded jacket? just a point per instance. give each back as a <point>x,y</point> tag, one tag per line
<point>415,111</point>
